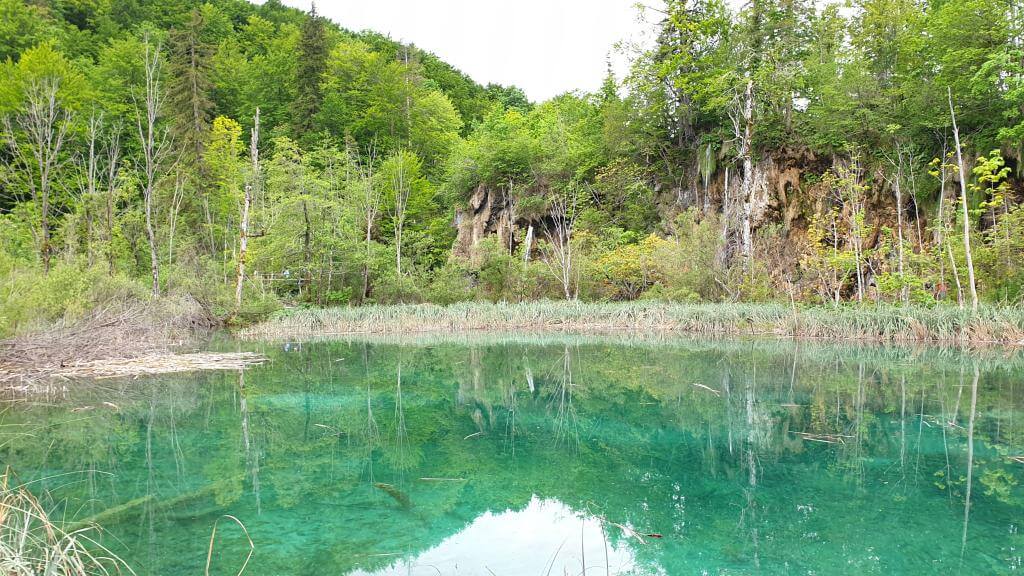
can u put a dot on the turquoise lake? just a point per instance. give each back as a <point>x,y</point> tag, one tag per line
<point>544,456</point>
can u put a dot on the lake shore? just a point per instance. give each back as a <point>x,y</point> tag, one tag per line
<point>136,341</point>
<point>882,323</point>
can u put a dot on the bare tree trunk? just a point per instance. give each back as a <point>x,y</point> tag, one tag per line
<point>402,192</point>
<point>250,187</point>
<point>963,200</point>
<point>366,263</point>
<point>306,247</point>
<point>725,208</point>
<point>45,123</point>
<point>746,153</point>
<point>113,154</point>
<point>92,134</point>
<point>899,223</point>
<point>941,218</point>
<point>563,213</point>
<point>151,238</point>
<point>155,145</point>
<point>707,180</point>
<point>370,205</point>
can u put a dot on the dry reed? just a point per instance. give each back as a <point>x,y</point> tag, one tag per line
<point>33,544</point>
<point>940,324</point>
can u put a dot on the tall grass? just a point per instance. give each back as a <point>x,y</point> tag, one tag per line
<point>32,544</point>
<point>940,324</point>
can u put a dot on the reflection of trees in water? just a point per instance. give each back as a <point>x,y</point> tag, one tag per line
<point>757,435</point>
<point>510,397</point>
<point>970,460</point>
<point>151,490</point>
<point>371,432</point>
<point>401,455</point>
<point>566,420</point>
<point>847,417</point>
<point>252,458</point>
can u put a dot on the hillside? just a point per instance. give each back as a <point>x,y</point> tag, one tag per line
<point>782,152</point>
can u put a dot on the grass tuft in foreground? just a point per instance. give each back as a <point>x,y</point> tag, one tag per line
<point>945,324</point>
<point>32,544</point>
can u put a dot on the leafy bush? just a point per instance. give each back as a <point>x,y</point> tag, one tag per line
<point>30,300</point>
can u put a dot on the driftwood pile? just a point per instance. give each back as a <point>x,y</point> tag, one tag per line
<point>155,364</point>
<point>126,339</point>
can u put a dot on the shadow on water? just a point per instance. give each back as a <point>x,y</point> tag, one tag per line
<point>547,455</point>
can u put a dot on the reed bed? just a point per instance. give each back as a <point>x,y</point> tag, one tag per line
<point>894,324</point>
<point>33,544</point>
<point>937,356</point>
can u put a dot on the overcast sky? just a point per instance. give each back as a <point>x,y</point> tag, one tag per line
<point>546,47</point>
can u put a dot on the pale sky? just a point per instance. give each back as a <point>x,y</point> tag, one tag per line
<point>546,47</point>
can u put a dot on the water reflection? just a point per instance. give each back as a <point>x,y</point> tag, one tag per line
<point>377,457</point>
<point>545,537</point>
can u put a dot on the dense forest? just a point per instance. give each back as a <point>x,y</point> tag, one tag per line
<point>253,155</point>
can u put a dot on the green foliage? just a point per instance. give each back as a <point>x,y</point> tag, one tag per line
<point>369,148</point>
<point>689,267</point>
<point>313,51</point>
<point>991,174</point>
<point>42,63</point>
<point>22,26</point>
<point>631,269</point>
<point>31,300</point>
<point>386,103</point>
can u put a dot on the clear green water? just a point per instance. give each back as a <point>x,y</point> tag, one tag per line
<point>533,457</point>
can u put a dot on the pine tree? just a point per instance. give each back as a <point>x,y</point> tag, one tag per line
<point>312,64</point>
<point>189,100</point>
<point>190,104</point>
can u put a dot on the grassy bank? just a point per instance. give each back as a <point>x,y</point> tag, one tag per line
<point>941,324</point>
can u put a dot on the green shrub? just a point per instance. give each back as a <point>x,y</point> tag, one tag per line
<point>31,300</point>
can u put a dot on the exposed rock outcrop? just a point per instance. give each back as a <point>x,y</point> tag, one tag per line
<point>787,190</point>
<point>487,213</point>
<point>473,222</point>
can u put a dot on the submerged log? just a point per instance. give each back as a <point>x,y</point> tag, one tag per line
<point>401,497</point>
<point>826,438</point>
<point>133,507</point>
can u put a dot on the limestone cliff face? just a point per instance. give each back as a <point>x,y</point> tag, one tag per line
<point>778,194</point>
<point>777,197</point>
<point>786,191</point>
<point>487,213</point>
<point>473,222</point>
